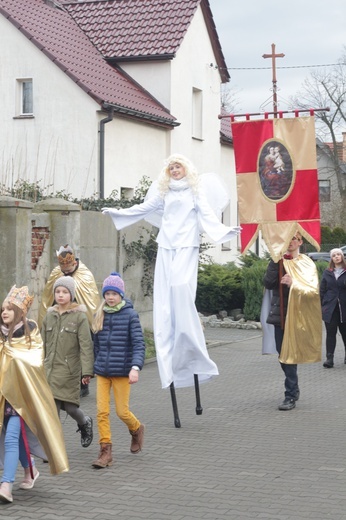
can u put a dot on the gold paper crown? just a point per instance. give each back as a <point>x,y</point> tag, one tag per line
<point>20,297</point>
<point>65,255</point>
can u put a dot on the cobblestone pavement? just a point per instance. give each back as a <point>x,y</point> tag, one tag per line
<point>241,459</point>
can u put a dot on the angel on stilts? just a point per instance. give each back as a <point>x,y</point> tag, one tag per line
<point>177,203</point>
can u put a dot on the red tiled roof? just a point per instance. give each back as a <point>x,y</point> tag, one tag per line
<point>134,28</point>
<point>56,34</point>
<point>124,30</point>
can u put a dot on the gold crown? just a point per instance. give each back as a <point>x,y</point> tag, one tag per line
<point>20,297</point>
<point>66,260</point>
<point>65,255</point>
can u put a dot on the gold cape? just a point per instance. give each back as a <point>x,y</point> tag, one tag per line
<point>24,385</point>
<point>302,340</point>
<point>86,291</point>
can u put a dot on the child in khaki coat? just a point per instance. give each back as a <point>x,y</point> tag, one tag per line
<point>68,354</point>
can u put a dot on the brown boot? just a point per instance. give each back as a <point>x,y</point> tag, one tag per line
<point>137,439</point>
<point>104,457</point>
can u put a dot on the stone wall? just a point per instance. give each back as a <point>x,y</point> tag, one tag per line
<point>32,233</point>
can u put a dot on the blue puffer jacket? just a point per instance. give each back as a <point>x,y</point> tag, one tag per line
<point>333,293</point>
<point>120,344</point>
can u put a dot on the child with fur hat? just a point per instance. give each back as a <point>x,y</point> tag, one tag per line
<point>119,351</point>
<point>333,300</point>
<point>28,421</point>
<point>68,353</point>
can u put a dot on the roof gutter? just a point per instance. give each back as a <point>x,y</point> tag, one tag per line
<point>141,115</point>
<point>104,121</point>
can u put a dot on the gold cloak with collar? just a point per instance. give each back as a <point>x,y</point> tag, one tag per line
<point>86,291</point>
<point>302,340</point>
<point>23,384</point>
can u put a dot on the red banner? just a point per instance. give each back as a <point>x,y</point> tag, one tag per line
<point>277,181</point>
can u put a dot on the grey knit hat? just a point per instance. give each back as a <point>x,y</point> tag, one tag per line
<point>336,250</point>
<point>68,282</point>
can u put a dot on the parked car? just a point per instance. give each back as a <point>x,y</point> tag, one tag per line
<point>315,256</point>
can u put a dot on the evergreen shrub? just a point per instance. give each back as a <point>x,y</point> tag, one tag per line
<point>252,283</point>
<point>219,288</point>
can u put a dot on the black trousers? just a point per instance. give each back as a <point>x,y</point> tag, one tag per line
<point>290,371</point>
<point>332,329</point>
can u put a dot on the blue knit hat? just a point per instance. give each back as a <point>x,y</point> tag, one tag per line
<point>114,282</point>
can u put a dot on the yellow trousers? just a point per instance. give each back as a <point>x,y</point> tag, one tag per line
<point>121,391</point>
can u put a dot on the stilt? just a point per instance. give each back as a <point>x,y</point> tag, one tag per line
<point>199,408</point>
<point>175,406</point>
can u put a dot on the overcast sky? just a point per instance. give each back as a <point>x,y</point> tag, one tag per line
<point>308,32</point>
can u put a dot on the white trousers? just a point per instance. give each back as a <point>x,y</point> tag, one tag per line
<point>180,344</point>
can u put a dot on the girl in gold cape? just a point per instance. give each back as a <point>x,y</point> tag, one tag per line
<point>25,395</point>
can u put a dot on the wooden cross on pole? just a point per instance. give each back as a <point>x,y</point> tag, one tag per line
<point>273,56</point>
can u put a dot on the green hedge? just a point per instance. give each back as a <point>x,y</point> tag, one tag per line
<point>253,289</point>
<point>227,287</point>
<point>219,288</point>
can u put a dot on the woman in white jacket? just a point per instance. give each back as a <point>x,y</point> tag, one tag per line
<point>180,201</point>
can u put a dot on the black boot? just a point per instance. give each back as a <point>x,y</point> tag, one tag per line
<point>329,362</point>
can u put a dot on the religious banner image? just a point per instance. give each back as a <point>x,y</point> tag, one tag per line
<point>275,169</point>
<point>277,181</point>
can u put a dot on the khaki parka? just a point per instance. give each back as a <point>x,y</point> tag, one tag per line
<point>68,351</point>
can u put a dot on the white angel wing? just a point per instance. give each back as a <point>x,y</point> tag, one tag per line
<point>215,191</point>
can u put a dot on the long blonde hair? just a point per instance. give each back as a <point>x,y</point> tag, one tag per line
<point>191,173</point>
<point>97,323</point>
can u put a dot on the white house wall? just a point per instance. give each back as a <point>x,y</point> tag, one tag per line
<point>59,146</point>
<point>154,76</point>
<point>191,69</point>
<point>133,150</point>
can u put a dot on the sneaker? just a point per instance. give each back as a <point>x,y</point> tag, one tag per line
<point>86,432</point>
<point>296,397</point>
<point>287,404</point>
<point>28,482</point>
<point>6,492</point>
<point>137,439</point>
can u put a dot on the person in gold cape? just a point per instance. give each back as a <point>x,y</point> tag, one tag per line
<point>86,289</point>
<point>29,422</point>
<point>295,312</point>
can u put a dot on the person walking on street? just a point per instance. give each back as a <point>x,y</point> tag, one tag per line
<point>29,423</point>
<point>68,354</point>
<point>333,301</point>
<point>295,312</point>
<point>119,350</point>
<point>86,292</point>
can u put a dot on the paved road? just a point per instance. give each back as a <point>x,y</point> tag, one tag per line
<point>242,459</point>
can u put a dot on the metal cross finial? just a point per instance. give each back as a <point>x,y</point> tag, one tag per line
<point>273,56</point>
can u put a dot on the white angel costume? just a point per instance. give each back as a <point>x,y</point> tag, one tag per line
<point>179,340</point>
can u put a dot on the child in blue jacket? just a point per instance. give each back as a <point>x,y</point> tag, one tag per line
<point>119,351</point>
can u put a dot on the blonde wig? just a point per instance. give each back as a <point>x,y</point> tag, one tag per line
<point>191,174</point>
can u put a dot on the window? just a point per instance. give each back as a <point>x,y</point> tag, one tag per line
<point>324,191</point>
<point>24,97</point>
<point>197,113</point>
<point>126,193</point>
